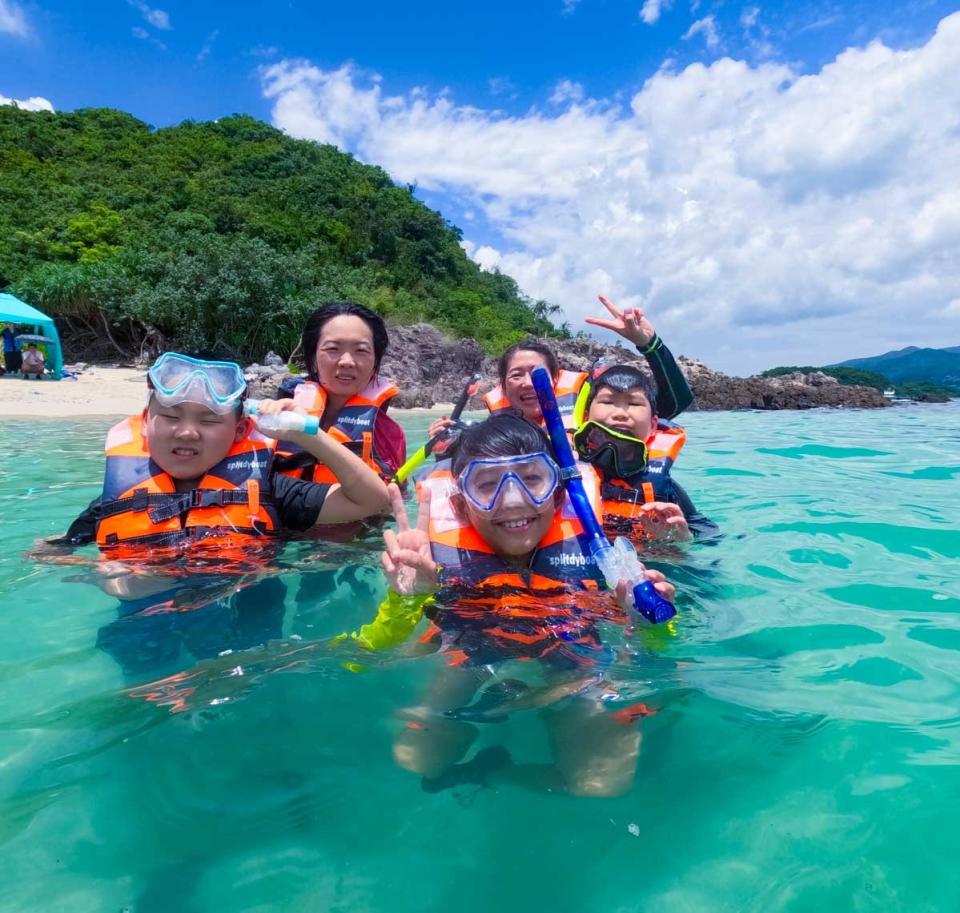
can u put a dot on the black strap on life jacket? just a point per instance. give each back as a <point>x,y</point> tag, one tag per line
<point>165,505</point>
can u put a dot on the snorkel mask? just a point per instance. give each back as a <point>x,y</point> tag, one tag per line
<point>174,379</point>
<point>613,452</point>
<point>535,476</point>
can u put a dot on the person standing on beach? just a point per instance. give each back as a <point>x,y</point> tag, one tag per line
<point>11,355</point>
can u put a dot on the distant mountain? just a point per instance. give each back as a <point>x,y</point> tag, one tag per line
<point>937,366</point>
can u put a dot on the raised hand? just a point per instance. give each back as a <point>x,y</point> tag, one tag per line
<point>273,406</point>
<point>438,425</point>
<point>662,520</point>
<point>406,560</point>
<point>630,324</point>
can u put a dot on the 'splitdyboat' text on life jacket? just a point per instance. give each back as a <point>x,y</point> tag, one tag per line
<point>355,428</point>
<point>550,605</point>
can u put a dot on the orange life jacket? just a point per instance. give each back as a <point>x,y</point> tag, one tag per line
<point>566,388</point>
<point>622,498</point>
<point>467,559</point>
<point>354,428</point>
<point>141,509</point>
<point>498,610</point>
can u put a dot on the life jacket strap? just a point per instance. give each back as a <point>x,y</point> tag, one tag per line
<point>178,537</point>
<point>165,506</point>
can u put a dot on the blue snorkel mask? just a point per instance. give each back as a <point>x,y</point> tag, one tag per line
<point>534,476</point>
<point>174,379</point>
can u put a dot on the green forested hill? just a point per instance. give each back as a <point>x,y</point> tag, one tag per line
<point>221,237</point>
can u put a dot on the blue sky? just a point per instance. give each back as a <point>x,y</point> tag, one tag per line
<point>513,117</point>
<point>509,54</point>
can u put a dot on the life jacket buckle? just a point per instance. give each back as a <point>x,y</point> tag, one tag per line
<point>206,497</point>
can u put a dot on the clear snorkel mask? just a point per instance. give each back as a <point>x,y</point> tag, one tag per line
<point>174,379</point>
<point>534,476</point>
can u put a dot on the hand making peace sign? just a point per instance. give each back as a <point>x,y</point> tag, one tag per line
<point>630,324</point>
<point>407,560</point>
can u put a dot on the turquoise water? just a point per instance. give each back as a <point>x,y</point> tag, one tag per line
<point>804,756</point>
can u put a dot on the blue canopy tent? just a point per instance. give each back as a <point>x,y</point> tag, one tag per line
<point>13,310</point>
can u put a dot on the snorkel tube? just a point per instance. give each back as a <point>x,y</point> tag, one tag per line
<point>420,457</point>
<point>618,561</point>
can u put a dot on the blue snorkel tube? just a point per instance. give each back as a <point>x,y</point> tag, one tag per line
<point>618,561</point>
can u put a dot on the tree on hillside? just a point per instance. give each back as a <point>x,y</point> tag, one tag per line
<point>222,236</point>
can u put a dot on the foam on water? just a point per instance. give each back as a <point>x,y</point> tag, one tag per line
<point>803,757</point>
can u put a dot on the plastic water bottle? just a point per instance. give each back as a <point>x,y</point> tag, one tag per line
<point>620,562</point>
<point>280,422</point>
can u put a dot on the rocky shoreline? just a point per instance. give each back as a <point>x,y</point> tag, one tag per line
<point>429,368</point>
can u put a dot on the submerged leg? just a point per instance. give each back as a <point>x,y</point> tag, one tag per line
<point>429,743</point>
<point>595,751</point>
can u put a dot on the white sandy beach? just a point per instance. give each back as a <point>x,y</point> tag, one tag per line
<point>98,391</point>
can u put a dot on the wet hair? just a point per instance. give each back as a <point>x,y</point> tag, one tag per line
<point>623,379</point>
<point>327,311</point>
<point>502,435</point>
<point>528,345</point>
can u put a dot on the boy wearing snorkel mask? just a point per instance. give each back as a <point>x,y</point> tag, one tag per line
<point>497,558</point>
<point>193,470</point>
<point>190,511</point>
<point>633,451</point>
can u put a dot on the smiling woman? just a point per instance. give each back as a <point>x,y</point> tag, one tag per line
<point>344,343</point>
<point>516,389</point>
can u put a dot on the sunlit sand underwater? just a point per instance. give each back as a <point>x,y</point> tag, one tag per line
<point>801,754</point>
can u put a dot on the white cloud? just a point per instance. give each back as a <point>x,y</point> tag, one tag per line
<point>144,35</point>
<point>749,16</point>
<point>566,91</point>
<point>13,21</point>
<point>569,6</point>
<point>707,26</point>
<point>761,216</point>
<point>951,310</point>
<point>502,86</point>
<point>34,103</point>
<point>652,9</point>
<point>159,19</point>
<point>207,46</point>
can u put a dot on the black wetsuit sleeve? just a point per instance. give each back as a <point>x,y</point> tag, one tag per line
<point>298,502</point>
<point>83,530</point>
<point>673,392</point>
<point>702,527</point>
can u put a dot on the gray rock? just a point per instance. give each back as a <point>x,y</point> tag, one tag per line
<point>430,367</point>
